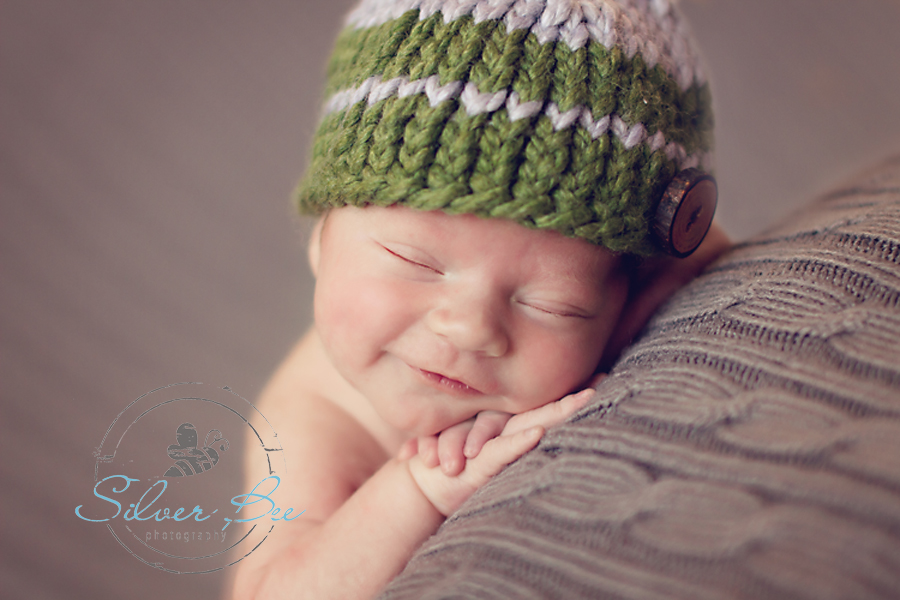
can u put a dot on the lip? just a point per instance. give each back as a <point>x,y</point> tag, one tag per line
<point>447,384</point>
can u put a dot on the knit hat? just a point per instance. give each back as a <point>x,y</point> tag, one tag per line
<point>568,115</point>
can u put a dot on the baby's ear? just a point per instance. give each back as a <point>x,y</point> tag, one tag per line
<point>653,282</point>
<point>314,248</point>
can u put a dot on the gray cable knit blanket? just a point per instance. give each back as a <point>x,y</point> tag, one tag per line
<point>747,446</point>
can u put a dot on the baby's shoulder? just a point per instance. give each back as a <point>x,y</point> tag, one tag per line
<point>329,452</point>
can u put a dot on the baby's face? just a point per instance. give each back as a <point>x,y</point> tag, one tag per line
<point>434,318</point>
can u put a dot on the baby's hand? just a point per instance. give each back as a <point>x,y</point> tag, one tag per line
<point>479,448</point>
<point>450,448</point>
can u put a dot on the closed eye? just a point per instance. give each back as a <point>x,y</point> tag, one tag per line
<point>411,261</point>
<point>554,311</point>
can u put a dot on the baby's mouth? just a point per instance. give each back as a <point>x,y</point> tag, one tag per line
<point>448,383</point>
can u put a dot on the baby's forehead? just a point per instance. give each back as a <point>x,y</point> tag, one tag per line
<point>500,242</point>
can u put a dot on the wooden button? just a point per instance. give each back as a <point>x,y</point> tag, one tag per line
<point>686,211</point>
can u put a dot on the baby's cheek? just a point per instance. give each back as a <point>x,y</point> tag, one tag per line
<point>340,317</point>
<point>366,315</point>
<point>551,371</point>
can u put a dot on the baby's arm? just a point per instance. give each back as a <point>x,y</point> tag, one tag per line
<point>365,512</point>
<point>363,516</point>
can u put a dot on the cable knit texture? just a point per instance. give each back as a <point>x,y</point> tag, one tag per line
<point>747,446</point>
<point>569,115</point>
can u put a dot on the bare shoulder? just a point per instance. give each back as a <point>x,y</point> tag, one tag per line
<point>329,452</point>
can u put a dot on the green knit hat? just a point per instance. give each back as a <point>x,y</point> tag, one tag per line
<point>569,115</point>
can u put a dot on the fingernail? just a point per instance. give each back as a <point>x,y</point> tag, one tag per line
<point>584,395</point>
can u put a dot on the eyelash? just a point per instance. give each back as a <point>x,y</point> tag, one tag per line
<point>560,314</point>
<point>552,312</point>
<point>410,261</point>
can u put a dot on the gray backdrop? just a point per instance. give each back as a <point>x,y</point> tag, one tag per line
<point>147,153</point>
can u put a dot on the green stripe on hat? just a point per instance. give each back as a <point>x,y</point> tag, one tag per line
<point>606,81</point>
<point>504,122</point>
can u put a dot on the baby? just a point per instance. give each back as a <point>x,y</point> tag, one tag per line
<point>501,187</point>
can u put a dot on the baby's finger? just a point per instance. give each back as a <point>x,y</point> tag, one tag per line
<point>428,450</point>
<point>500,451</point>
<point>409,449</point>
<point>488,424</point>
<point>450,447</point>
<point>549,414</point>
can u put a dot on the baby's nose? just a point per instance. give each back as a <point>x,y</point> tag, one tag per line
<point>471,325</point>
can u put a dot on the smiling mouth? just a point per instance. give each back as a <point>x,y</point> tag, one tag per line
<point>447,383</point>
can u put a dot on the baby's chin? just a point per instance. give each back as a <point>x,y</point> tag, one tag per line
<point>430,419</point>
<point>428,426</point>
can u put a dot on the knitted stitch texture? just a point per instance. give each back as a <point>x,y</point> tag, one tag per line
<point>569,115</point>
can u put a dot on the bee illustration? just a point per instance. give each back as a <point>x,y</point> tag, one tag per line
<point>191,460</point>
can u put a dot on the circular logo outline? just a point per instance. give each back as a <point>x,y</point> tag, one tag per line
<point>135,411</point>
